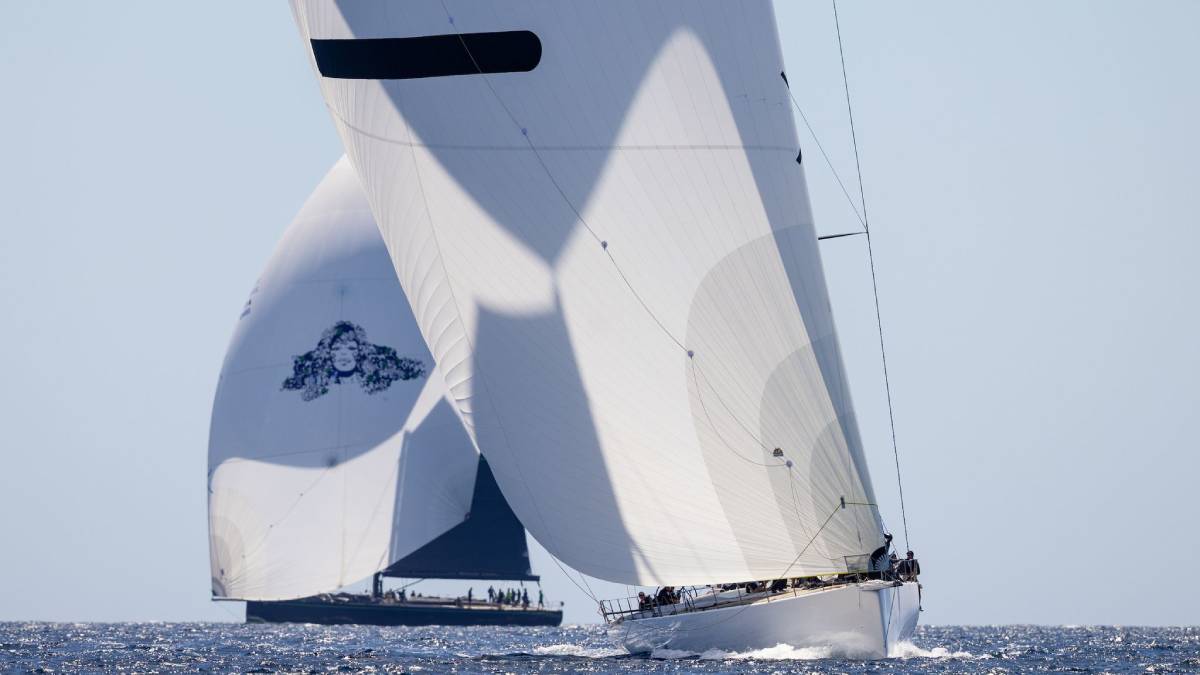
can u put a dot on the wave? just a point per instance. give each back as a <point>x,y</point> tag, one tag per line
<point>780,652</point>
<point>579,651</point>
<point>907,650</point>
<point>786,652</point>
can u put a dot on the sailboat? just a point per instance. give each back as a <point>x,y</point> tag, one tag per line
<point>599,217</point>
<point>335,454</point>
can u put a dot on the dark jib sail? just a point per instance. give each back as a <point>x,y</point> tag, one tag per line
<point>489,544</point>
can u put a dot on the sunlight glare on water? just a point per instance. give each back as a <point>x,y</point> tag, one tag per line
<point>76,648</point>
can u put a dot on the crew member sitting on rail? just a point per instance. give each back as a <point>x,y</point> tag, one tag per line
<point>664,595</point>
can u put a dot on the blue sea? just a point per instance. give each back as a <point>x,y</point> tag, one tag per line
<point>191,647</point>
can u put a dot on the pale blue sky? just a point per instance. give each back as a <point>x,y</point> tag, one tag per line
<point>1031,176</point>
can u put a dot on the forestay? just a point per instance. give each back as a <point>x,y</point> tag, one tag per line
<point>333,451</point>
<point>606,239</point>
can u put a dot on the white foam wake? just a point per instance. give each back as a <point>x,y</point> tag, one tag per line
<point>907,650</point>
<point>780,652</point>
<point>785,652</point>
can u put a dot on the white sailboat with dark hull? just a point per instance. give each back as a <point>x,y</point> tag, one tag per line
<point>599,217</point>
<point>488,547</point>
<point>334,453</point>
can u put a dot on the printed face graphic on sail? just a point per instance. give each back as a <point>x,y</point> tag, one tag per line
<point>344,354</point>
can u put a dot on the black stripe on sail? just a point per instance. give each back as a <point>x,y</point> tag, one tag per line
<point>517,51</point>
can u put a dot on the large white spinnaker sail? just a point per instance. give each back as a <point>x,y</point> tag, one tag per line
<point>333,451</point>
<point>599,217</point>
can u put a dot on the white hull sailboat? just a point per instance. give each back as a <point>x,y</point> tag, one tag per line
<point>599,217</point>
<point>862,620</point>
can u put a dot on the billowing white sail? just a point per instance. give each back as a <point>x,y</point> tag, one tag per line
<point>597,213</point>
<point>333,451</point>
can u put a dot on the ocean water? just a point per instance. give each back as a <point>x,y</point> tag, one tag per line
<point>192,647</point>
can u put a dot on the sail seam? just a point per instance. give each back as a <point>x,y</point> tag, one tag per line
<point>562,148</point>
<point>535,149</point>
<point>471,347</point>
<point>233,580</point>
<point>482,375</point>
<point>704,407</point>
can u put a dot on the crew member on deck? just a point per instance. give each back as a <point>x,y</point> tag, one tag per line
<point>879,563</point>
<point>909,568</point>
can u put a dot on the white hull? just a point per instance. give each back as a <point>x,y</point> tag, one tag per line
<point>860,620</point>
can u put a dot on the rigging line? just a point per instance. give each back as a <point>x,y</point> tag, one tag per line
<point>586,588</point>
<point>271,526</point>
<point>641,147</point>
<point>704,407</point>
<point>362,539</point>
<point>804,550</point>
<point>795,500</point>
<point>850,111</point>
<point>749,432</point>
<point>583,221</point>
<point>697,375</point>
<point>504,432</point>
<point>604,244</point>
<point>743,608</point>
<point>849,200</point>
<point>553,181</point>
<point>887,630</point>
<point>874,283</point>
<point>578,215</point>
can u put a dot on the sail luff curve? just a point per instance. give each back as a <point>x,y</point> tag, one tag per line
<point>333,449</point>
<point>619,272</point>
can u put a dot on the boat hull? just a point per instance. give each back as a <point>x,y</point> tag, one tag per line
<point>862,620</point>
<point>394,614</point>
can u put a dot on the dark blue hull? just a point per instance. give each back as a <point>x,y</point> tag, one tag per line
<point>373,613</point>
